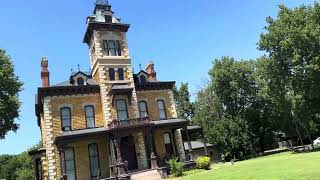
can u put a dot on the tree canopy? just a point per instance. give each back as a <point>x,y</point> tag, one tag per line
<point>185,108</point>
<point>10,86</point>
<point>248,102</point>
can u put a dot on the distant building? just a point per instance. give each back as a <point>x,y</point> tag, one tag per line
<point>108,123</point>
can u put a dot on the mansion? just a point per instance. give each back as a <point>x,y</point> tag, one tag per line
<point>110,123</point>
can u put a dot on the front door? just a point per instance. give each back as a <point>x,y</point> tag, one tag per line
<point>128,152</point>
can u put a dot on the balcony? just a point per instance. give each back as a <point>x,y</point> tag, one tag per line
<point>130,123</point>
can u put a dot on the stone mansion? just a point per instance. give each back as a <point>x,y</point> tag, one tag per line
<point>109,123</point>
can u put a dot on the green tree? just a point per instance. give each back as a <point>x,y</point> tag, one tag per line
<point>221,107</point>
<point>10,86</point>
<point>185,108</point>
<point>292,42</point>
<point>17,167</point>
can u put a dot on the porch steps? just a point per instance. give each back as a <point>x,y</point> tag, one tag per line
<point>153,174</point>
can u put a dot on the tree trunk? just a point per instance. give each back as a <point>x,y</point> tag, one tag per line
<point>309,137</point>
<point>297,128</point>
<point>298,131</point>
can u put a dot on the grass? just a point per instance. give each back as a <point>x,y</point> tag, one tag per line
<point>287,166</point>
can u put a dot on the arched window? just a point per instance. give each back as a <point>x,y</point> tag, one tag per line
<point>162,109</point>
<point>143,79</point>
<point>120,74</point>
<point>65,114</point>
<point>112,47</point>
<point>111,74</point>
<point>122,110</point>
<point>143,109</point>
<point>70,165</point>
<point>80,81</point>
<point>90,118</point>
<point>94,160</point>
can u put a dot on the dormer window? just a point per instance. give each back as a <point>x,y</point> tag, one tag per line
<point>112,47</point>
<point>108,18</point>
<point>80,81</point>
<point>143,79</point>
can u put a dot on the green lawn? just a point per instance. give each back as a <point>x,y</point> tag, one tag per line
<point>280,166</point>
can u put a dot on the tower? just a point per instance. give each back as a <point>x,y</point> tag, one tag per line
<point>110,60</point>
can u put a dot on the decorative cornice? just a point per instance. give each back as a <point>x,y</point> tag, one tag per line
<point>154,85</point>
<point>103,26</point>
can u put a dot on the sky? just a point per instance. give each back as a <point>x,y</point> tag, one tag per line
<point>182,37</point>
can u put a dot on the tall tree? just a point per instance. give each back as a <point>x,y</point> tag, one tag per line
<point>292,42</point>
<point>10,86</point>
<point>185,108</point>
<point>221,107</point>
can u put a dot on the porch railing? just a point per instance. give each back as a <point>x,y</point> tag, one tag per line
<point>129,123</point>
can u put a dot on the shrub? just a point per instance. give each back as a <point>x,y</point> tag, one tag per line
<point>203,162</point>
<point>176,167</point>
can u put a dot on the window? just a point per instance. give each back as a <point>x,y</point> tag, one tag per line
<point>111,74</point>
<point>143,109</point>
<point>120,74</point>
<point>94,160</point>
<point>90,118</point>
<point>38,169</point>
<point>162,109</point>
<point>80,81</point>
<point>168,144</point>
<point>112,48</point>
<point>143,79</point>
<point>122,109</point>
<point>65,118</point>
<point>69,163</point>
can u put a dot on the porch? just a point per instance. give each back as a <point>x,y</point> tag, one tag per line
<point>132,147</point>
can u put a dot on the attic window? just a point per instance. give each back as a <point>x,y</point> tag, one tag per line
<point>108,18</point>
<point>143,79</point>
<point>80,81</point>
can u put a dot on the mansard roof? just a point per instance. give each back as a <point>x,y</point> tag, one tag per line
<point>71,82</point>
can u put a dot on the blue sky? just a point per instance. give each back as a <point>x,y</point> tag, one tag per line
<point>182,37</point>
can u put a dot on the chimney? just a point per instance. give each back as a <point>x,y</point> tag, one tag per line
<point>45,72</point>
<point>150,70</point>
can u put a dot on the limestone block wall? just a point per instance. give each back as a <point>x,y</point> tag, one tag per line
<point>51,154</point>
<point>83,161</point>
<point>141,151</point>
<point>77,104</point>
<point>159,142</point>
<point>151,97</point>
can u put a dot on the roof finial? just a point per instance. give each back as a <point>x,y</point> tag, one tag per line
<point>102,2</point>
<point>140,66</point>
<point>78,67</point>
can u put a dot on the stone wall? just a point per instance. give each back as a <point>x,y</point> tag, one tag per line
<point>141,151</point>
<point>151,97</point>
<point>82,157</point>
<point>77,104</point>
<point>51,153</point>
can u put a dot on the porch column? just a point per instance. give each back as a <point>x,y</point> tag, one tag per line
<point>153,157</point>
<point>179,144</point>
<point>185,129</point>
<point>63,167</point>
<point>112,161</point>
<point>120,164</point>
<point>205,144</point>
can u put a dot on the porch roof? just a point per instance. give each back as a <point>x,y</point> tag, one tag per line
<point>170,122</point>
<point>81,133</point>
